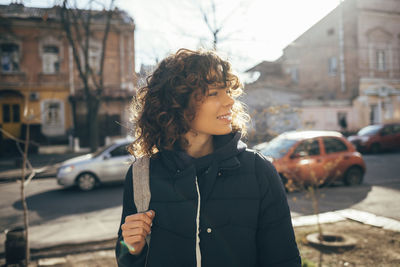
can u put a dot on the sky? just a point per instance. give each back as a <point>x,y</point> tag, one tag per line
<point>251,30</point>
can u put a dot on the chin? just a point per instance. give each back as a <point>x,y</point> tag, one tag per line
<point>223,132</point>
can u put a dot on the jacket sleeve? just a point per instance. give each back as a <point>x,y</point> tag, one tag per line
<point>276,243</point>
<point>124,258</point>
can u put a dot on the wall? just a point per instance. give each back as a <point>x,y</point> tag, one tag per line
<point>326,117</point>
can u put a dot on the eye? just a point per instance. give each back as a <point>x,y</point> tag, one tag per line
<point>213,93</point>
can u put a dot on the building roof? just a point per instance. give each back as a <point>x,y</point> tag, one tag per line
<point>267,67</point>
<point>19,11</point>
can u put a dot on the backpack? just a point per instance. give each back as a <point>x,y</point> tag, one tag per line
<point>142,195</point>
<point>141,186</point>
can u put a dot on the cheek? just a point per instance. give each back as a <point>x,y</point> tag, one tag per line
<point>204,114</point>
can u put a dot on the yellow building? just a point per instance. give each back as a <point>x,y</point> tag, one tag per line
<point>39,81</point>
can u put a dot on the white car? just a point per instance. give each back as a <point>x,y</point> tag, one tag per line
<point>109,164</point>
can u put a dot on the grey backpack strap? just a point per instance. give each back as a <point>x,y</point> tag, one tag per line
<point>141,185</point>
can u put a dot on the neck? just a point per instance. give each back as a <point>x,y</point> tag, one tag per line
<point>199,144</point>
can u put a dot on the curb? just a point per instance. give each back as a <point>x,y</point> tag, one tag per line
<point>69,249</point>
<point>63,250</point>
<point>41,172</point>
<point>348,214</point>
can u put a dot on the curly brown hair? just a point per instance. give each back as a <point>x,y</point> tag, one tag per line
<point>163,109</point>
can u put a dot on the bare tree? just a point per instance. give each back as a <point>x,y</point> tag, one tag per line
<point>78,27</point>
<point>216,24</point>
<point>25,170</point>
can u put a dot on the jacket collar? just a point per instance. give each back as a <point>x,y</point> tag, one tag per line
<point>227,147</point>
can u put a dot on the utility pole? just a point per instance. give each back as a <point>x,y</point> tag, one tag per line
<point>341,48</point>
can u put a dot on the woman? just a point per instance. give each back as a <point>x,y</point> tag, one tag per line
<point>213,201</point>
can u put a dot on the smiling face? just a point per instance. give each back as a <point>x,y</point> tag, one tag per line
<point>214,112</point>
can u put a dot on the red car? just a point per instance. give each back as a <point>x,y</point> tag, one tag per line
<point>315,158</point>
<point>377,138</point>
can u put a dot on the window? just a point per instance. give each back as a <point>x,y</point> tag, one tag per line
<point>294,74</point>
<point>6,113</point>
<point>51,59</point>
<point>119,151</point>
<point>52,115</point>
<point>9,57</point>
<point>94,58</point>
<point>374,114</point>
<point>380,60</point>
<point>342,120</point>
<point>396,129</point>
<point>387,130</point>
<point>332,66</point>
<point>307,148</point>
<point>333,145</point>
<point>15,109</point>
<point>11,113</point>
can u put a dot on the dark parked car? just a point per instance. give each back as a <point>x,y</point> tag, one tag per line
<point>377,138</point>
<point>315,157</point>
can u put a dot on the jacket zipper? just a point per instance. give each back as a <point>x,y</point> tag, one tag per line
<point>198,253</point>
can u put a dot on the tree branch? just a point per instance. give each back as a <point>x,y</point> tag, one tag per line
<point>104,48</point>
<point>66,22</point>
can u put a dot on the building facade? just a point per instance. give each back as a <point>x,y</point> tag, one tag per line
<point>347,64</point>
<point>39,80</point>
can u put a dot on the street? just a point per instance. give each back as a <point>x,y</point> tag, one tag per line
<point>379,194</point>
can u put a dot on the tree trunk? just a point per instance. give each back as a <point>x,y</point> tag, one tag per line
<point>23,199</point>
<point>93,122</point>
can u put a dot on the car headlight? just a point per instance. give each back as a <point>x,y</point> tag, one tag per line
<point>66,169</point>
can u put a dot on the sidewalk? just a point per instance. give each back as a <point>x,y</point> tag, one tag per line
<point>45,164</point>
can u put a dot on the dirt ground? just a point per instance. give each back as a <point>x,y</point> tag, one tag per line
<point>375,246</point>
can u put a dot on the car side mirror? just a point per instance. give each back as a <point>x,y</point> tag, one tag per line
<point>106,156</point>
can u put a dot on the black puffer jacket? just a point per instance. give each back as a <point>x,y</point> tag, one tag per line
<point>244,216</point>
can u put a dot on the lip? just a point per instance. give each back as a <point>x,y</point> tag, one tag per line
<point>223,115</point>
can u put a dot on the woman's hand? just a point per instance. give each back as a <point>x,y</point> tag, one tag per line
<point>135,229</point>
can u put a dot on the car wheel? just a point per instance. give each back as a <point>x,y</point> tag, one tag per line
<point>86,181</point>
<point>353,176</point>
<point>375,148</point>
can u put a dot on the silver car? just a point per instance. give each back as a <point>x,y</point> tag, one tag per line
<point>109,164</point>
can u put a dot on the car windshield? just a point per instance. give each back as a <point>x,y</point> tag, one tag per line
<point>278,147</point>
<point>369,130</point>
<point>101,150</point>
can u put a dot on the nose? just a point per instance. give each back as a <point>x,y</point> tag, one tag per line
<point>228,100</point>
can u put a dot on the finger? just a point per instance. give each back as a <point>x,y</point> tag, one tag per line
<point>151,214</point>
<point>146,217</point>
<point>135,224</point>
<point>136,231</point>
<point>135,241</point>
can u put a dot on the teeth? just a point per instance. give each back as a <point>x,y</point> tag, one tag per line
<point>228,117</point>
